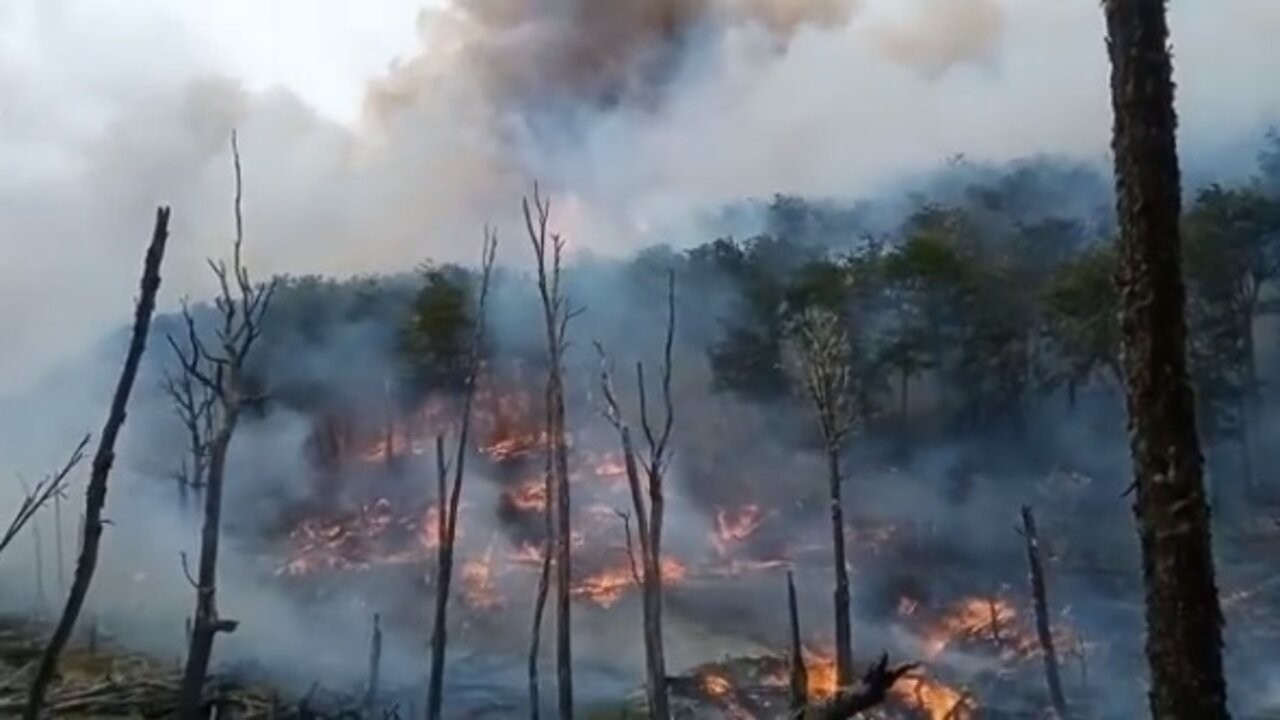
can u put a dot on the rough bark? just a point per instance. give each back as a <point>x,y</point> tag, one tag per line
<point>1040,601</point>
<point>104,458</point>
<point>544,575</point>
<point>1184,619</point>
<point>844,628</point>
<point>450,504</point>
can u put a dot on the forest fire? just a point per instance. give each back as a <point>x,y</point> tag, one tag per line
<point>374,535</point>
<point>733,527</point>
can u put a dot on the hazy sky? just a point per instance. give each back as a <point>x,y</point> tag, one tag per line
<point>109,107</point>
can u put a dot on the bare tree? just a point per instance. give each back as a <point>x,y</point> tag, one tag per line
<point>219,368</point>
<point>556,548</point>
<point>103,459</point>
<point>450,498</point>
<point>648,501</point>
<point>1040,601</point>
<point>798,683</point>
<point>1183,614</point>
<point>193,403</point>
<point>823,359</point>
<point>46,491</point>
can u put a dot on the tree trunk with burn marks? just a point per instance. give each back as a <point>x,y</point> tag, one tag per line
<point>104,458</point>
<point>1039,598</point>
<point>1184,619</point>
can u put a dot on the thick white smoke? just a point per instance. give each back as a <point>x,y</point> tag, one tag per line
<point>112,107</point>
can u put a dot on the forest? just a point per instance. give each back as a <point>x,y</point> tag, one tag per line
<point>873,457</point>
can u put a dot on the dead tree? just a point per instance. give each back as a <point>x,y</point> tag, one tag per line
<point>823,350</point>
<point>219,367</point>
<point>103,459</point>
<point>556,548</point>
<point>1044,631</point>
<point>450,498</point>
<point>799,679</point>
<point>375,667</point>
<point>1183,614</point>
<point>46,491</point>
<point>193,403</point>
<point>648,501</point>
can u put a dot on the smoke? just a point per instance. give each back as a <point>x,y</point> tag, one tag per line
<point>642,119</point>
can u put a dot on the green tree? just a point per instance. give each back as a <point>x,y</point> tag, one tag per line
<point>1080,322</point>
<point>437,336</point>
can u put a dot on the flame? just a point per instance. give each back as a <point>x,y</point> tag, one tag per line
<point>716,685</point>
<point>936,700</point>
<point>477,582</point>
<point>734,526</point>
<point>973,617</point>
<point>606,587</point>
<point>373,535</point>
<point>529,496</point>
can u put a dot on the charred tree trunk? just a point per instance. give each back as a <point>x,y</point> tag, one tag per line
<point>544,575</point>
<point>207,623</point>
<point>1184,619</point>
<point>648,500</point>
<point>104,457</point>
<point>556,317</point>
<point>799,680</point>
<point>844,628</point>
<point>1044,631</point>
<point>450,503</point>
<point>375,667</point>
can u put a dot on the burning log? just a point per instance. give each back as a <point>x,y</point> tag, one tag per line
<point>1043,630</point>
<point>104,457</point>
<point>649,515</point>
<point>221,373</point>
<point>447,525</point>
<point>876,684</point>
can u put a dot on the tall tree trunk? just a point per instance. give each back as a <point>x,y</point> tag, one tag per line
<point>444,579</point>
<point>548,534</point>
<point>103,459</point>
<point>844,629</point>
<point>564,576</point>
<point>207,623</point>
<point>1184,620</point>
<point>1040,600</point>
<point>799,680</point>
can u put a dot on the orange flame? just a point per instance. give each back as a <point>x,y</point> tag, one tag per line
<point>735,526</point>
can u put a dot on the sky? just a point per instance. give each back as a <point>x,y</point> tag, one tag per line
<point>110,107</point>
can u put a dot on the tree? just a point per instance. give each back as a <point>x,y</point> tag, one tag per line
<point>219,367</point>
<point>1080,320</point>
<point>648,502</point>
<point>1184,619</point>
<point>823,360</point>
<point>436,340</point>
<point>557,547</point>
<point>450,498</point>
<point>103,459</point>
<point>193,405</point>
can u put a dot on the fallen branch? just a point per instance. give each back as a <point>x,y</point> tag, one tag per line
<point>42,494</point>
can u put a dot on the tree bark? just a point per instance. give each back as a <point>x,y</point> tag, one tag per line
<point>104,458</point>
<point>564,575</point>
<point>844,627</point>
<point>1184,619</point>
<point>1044,631</point>
<point>207,623</point>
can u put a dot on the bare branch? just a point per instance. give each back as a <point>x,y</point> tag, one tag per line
<point>44,492</point>
<point>631,553</point>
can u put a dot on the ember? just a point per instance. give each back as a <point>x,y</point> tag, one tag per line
<point>732,527</point>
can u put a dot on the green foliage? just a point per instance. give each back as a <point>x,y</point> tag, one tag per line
<point>1080,321</point>
<point>436,338</point>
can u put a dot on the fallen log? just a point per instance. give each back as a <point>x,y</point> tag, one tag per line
<point>876,683</point>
